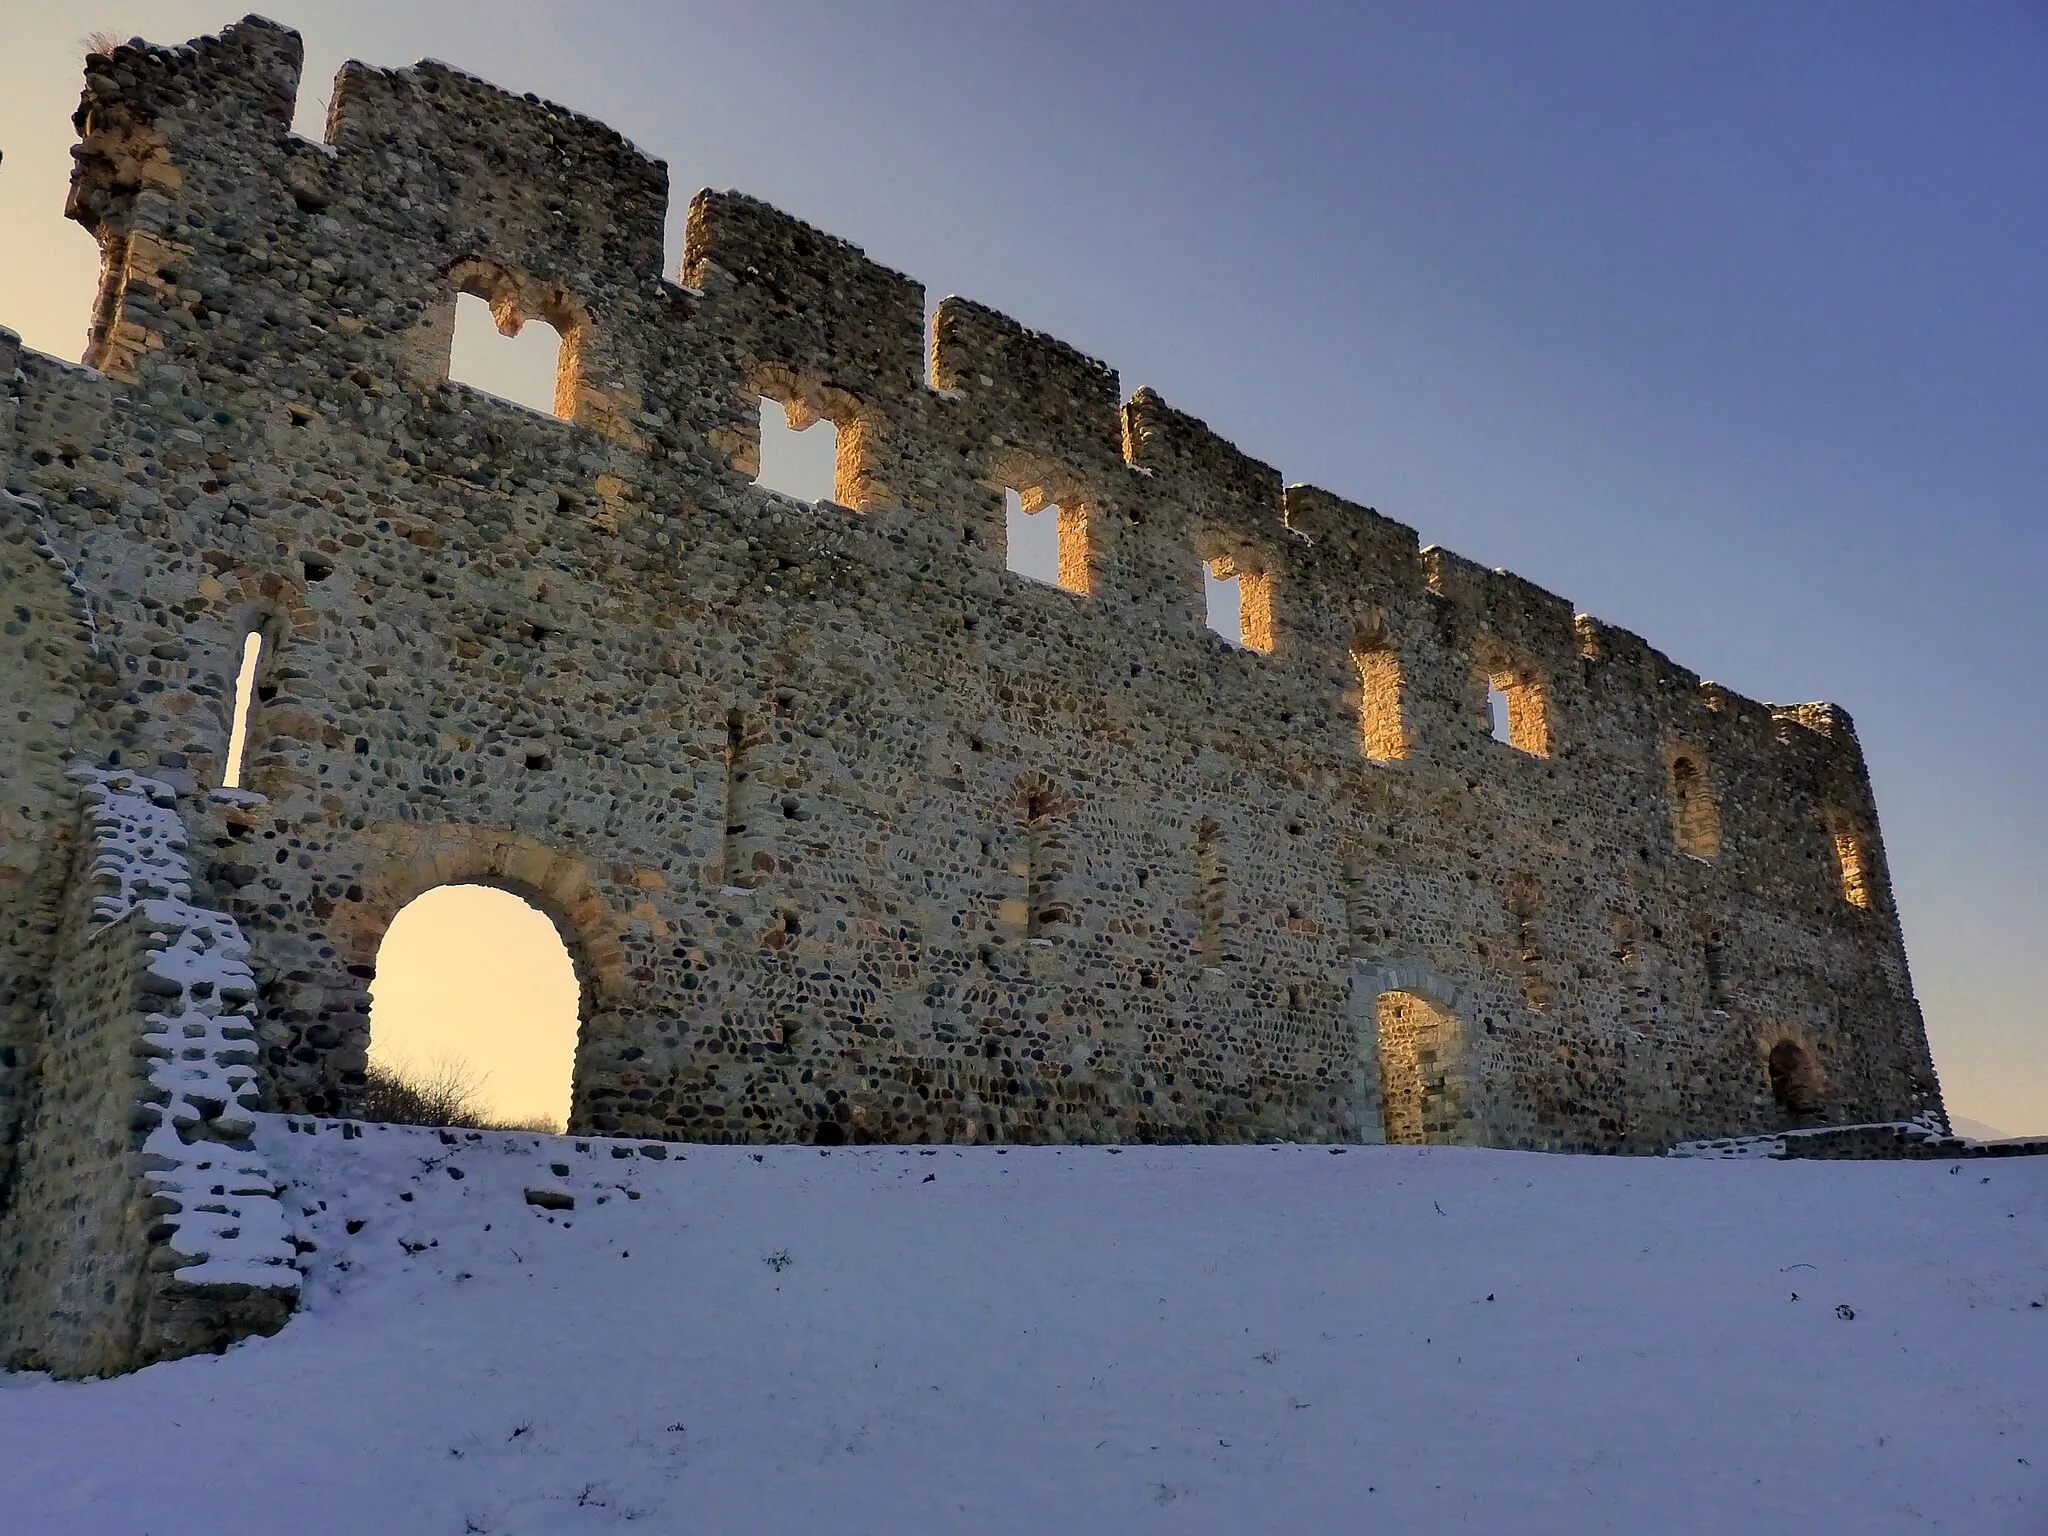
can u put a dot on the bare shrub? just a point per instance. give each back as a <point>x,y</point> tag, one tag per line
<point>102,42</point>
<point>442,1093</point>
<point>447,1091</point>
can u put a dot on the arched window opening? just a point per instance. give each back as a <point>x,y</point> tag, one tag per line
<point>1382,735</point>
<point>1695,819</point>
<point>245,700</point>
<point>513,356</point>
<point>1238,603</point>
<point>1795,1078</point>
<point>1051,549</point>
<point>1853,865</point>
<point>1209,894</point>
<point>799,451</point>
<point>1518,709</point>
<point>474,1014</point>
<point>1422,1089</point>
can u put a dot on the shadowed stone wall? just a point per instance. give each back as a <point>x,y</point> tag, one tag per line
<point>855,834</point>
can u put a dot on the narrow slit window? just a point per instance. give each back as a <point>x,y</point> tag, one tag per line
<point>504,353</point>
<point>746,850</point>
<point>1359,917</point>
<point>245,699</point>
<point>1045,541</point>
<point>1209,895</point>
<point>799,451</point>
<point>1382,735</point>
<point>1714,960</point>
<point>1529,951</point>
<point>1238,603</point>
<point>1046,864</point>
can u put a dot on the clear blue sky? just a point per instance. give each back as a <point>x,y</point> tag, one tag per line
<point>1725,321</point>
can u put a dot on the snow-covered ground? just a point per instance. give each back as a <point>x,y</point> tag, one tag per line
<point>1180,1339</point>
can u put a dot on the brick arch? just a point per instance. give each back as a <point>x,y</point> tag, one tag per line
<point>418,857</point>
<point>259,598</point>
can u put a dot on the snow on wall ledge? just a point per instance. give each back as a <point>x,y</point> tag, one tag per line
<point>141,1222</point>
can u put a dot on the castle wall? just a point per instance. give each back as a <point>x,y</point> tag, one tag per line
<point>852,832</point>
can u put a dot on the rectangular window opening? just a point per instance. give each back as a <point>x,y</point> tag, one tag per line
<point>1695,819</point>
<point>799,452</point>
<point>1518,711</point>
<point>1854,868</point>
<point>1381,734</point>
<point>522,365</point>
<point>1238,603</point>
<point>1045,541</point>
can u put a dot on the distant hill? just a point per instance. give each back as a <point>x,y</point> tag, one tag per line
<point>1962,1125</point>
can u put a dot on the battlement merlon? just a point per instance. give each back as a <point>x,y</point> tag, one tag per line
<point>500,172</point>
<point>812,303</point>
<point>1039,395</point>
<point>141,97</point>
<point>1232,500</point>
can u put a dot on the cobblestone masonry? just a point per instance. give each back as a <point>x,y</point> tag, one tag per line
<point>853,833</point>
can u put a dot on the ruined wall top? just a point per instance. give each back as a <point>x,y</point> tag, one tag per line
<point>189,173</point>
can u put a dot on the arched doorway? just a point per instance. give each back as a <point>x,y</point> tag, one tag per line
<point>1422,1078</point>
<point>1795,1078</point>
<point>474,1013</point>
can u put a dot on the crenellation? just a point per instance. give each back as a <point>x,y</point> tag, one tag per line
<point>853,834</point>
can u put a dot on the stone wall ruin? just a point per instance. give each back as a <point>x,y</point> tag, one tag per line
<point>854,834</point>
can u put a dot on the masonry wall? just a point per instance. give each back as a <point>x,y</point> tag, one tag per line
<point>48,689</point>
<point>853,833</point>
<point>140,1223</point>
<point>72,1283</point>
